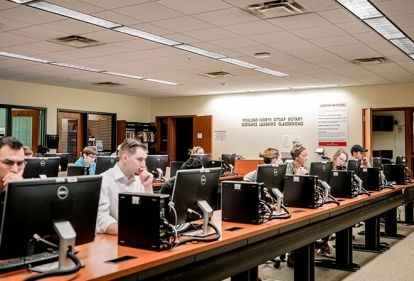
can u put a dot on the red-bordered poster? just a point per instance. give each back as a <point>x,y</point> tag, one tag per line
<point>333,124</point>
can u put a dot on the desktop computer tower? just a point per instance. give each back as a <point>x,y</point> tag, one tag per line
<point>142,221</point>
<point>240,202</point>
<point>394,173</point>
<point>371,178</point>
<point>342,184</point>
<point>301,191</point>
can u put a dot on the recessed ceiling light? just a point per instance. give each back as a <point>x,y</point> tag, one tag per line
<point>199,51</point>
<point>17,56</point>
<point>271,72</point>
<point>160,81</point>
<point>384,27</point>
<point>122,75</point>
<point>405,44</point>
<point>146,35</point>
<point>240,63</point>
<point>361,8</point>
<point>314,86</point>
<point>76,66</point>
<point>73,14</point>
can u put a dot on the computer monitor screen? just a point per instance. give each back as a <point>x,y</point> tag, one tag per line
<point>192,186</point>
<point>33,205</point>
<point>104,163</point>
<point>272,176</point>
<point>204,158</point>
<point>321,169</point>
<point>386,153</point>
<point>228,159</point>
<point>36,166</point>
<point>64,159</point>
<point>155,162</point>
<point>77,171</point>
<point>353,165</point>
<point>174,167</point>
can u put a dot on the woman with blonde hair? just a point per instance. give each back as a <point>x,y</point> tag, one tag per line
<point>270,156</point>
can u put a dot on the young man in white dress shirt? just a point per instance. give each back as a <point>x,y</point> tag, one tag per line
<point>128,175</point>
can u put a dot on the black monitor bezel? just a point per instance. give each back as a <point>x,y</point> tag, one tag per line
<point>36,166</point>
<point>103,161</point>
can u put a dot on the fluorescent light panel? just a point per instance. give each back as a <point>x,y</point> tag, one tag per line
<point>76,66</point>
<point>21,1</point>
<point>363,9</point>
<point>405,44</point>
<point>314,86</point>
<point>160,81</point>
<point>200,51</point>
<point>271,72</point>
<point>384,27</point>
<point>17,56</point>
<point>146,35</point>
<point>240,63</point>
<point>73,14</point>
<point>122,75</point>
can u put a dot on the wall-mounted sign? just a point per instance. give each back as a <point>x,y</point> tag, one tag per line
<point>289,121</point>
<point>333,124</point>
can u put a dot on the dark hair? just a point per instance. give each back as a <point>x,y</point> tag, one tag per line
<point>191,163</point>
<point>42,149</point>
<point>12,142</point>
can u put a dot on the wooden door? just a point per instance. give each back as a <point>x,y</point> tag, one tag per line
<point>202,132</point>
<point>367,130</point>
<point>25,127</point>
<point>70,130</point>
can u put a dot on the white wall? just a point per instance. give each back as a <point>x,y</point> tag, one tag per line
<point>228,111</point>
<point>129,108</point>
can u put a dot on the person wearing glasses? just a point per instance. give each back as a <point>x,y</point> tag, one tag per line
<point>11,161</point>
<point>129,174</point>
<point>87,159</point>
<point>340,159</point>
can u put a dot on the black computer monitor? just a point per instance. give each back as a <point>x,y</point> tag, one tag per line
<point>32,206</point>
<point>104,163</point>
<point>174,167</point>
<point>204,158</point>
<point>321,169</point>
<point>395,173</point>
<point>272,176</point>
<point>155,162</point>
<point>37,166</point>
<point>64,159</point>
<point>228,159</point>
<point>387,153</point>
<point>190,188</point>
<point>353,165</point>
<point>77,171</point>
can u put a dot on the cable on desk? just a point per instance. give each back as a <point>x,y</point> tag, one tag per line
<point>57,272</point>
<point>202,239</point>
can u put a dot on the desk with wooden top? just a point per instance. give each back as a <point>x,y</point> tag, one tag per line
<point>237,251</point>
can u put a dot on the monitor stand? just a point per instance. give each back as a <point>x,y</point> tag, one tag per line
<point>67,237</point>
<point>207,213</point>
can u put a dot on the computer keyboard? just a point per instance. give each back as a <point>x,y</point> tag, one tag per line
<point>28,261</point>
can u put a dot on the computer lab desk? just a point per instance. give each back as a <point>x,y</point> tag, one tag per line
<point>240,250</point>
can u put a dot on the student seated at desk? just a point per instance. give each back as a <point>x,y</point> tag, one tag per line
<point>191,163</point>
<point>270,156</point>
<point>300,157</point>
<point>87,159</point>
<point>340,159</point>
<point>129,174</point>
<point>197,150</point>
<point>359,153</point>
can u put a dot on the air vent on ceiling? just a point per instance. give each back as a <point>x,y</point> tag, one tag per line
<point>108,84</point>
<point>370,61</point>
<point>77,41</point>
<point>217,74</point>
<point>275,9</point>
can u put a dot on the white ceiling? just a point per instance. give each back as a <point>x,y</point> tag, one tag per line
<point>314,48</point>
